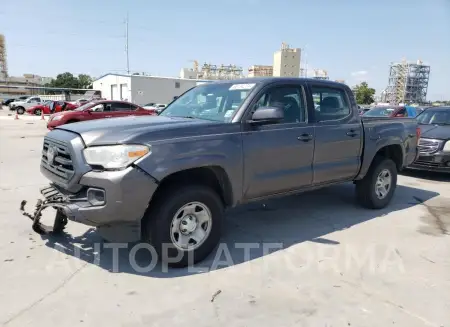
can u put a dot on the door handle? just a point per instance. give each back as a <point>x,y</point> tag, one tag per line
<point>352,133</point>
<point>108,116</point>
<point>305,137</point>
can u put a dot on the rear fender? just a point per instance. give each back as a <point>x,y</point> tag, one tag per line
<point>372,149</point>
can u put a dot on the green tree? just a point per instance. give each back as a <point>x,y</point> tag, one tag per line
<point>67,80</point>
<point>84,81</point>
<point>363,93</point>
<point>64,80</point>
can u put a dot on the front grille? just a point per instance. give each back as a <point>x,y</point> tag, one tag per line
<point>61,165</point>
<point>428,145</point>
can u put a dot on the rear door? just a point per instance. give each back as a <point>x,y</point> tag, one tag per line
<point>338,134</point>
<point>278,157</point>
<point>121,109</point>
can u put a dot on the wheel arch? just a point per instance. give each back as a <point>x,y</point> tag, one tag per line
<point>393,151</point>
<point>213,176</point>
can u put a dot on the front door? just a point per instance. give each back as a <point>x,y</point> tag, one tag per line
<point>337,149</point>
<point>278,157</point>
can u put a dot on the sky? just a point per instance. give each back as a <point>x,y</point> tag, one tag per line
<point>354,40</point>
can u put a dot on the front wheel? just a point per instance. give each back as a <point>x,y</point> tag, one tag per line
<point>377,188</point>
<point>184,224</point>
<point>38,112</point>
<point>20,110</point>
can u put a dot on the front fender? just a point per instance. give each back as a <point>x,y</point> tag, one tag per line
<point>224,151</point>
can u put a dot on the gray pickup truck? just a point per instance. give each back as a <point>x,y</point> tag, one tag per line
<point>168,179</point>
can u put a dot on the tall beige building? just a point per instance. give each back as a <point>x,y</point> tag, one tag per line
<point>286,62</point>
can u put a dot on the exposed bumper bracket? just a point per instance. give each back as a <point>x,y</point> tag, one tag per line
<point>54,199</point>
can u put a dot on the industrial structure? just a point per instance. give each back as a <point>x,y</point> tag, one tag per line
<point>320,74</point>
<point>260,71</point>
<point>212,72</point>
<point>408,83</point>
<point>3,61</point>
<point>286,61</point>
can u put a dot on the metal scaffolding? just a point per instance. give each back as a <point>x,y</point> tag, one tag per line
<point>215,72</point>
<point>3,62</point>
<point>408,82</point>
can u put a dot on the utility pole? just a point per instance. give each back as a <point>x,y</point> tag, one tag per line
<point>126,45</point>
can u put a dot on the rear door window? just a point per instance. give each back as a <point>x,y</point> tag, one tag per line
<point>330,103</point>
<point>119,106</point>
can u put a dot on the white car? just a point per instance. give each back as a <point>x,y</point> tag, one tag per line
<point>22,106</point>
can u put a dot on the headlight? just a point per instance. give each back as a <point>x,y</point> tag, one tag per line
<point>115,156</point>
<point>57,117</point>
<point>446,147</point>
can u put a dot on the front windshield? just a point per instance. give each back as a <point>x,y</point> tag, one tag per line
<point>215,101</point>
<point>379,112</point>
<point>434,117</point>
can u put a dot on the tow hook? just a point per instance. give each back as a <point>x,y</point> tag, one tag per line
<point>54,199</point>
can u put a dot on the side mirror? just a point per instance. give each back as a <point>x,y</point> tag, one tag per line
<point>267,115</point>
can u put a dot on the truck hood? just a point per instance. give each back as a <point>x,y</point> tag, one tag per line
<point>139,129</point>
<point>441,132</point>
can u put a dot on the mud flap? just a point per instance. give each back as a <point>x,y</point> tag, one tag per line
<point>54,199</point>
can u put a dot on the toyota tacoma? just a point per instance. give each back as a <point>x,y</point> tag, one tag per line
<point>168,179</point>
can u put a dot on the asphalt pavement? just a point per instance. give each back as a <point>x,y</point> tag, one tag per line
<point>314,259</point>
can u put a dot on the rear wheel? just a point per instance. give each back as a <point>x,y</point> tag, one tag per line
<point>377,188</point>
<point>184,224</point>
<point>20,110</point>
<point>38,112</point>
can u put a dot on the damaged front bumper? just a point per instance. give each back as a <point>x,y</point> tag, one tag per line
<point>112,201</point>
<point>54,199</point>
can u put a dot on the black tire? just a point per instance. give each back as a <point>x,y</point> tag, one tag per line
<point>158,223</point>
<point>20,110</point>
<point>365,189</point>
<point>38,112</point>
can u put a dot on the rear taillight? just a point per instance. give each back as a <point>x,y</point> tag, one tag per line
<point>418,131</point>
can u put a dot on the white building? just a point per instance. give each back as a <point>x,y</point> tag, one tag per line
<point>188,73</point>
<point>142,89</point>
<point>286,62</point>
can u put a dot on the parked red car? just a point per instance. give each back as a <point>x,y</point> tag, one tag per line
<point>45,107</point>
<point>97,110</point>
